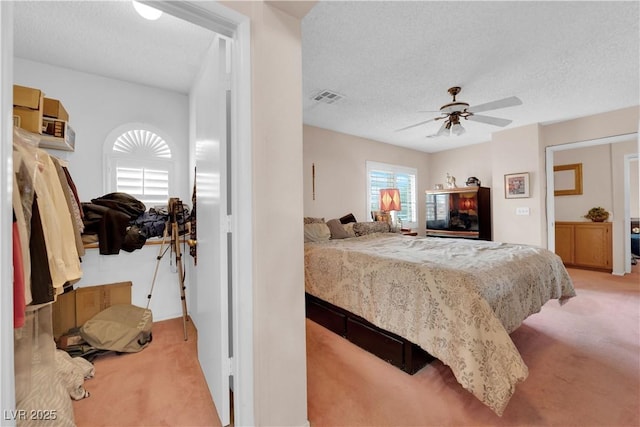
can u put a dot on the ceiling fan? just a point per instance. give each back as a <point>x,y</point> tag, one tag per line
<point>455,110</point>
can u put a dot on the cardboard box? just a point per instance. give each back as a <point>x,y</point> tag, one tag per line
<point>27,97</point>
<point>73,309</point>
<point>93,299</point>
<point>64,313</point>
<point>28,119</point>
<point>54,108</point>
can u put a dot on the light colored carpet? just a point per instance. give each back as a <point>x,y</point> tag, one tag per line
<point>583,359</point>
<point>162,385</point>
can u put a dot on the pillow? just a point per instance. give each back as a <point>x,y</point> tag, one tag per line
<point>362,228</point>
<point>312,220</point>
<point>337,229</point>
<point>348,218</point>
<point>348,228</point>
<point>316,232</point>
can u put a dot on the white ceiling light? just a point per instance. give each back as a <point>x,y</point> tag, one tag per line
<point>147,12</point>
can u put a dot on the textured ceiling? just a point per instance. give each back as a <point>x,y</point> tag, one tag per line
<point>109,38</point>
<point>391,60</point>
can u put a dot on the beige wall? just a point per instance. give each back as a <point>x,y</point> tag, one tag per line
<point>462,163</point>
<point>280,391</point>
<point>634,187</point>
<point>340,173</point>
<point>517,151</point>
<point>596,182</point>
<point>619,122</point>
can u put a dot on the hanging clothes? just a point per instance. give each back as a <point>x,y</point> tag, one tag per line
<point>42,289</point>
<point>23,225</point>
<point>72,205</point>
<point>19,305</point>
<point>52,241</point>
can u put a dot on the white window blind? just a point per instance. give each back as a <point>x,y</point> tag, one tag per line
<point>382,175</point>
<point>151,186</point>
<point>141,165</point>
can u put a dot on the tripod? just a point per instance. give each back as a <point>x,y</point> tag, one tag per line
<point>175,207</point>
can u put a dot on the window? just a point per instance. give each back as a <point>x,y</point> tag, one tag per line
<point>140,164</point>
<point>381,175</point>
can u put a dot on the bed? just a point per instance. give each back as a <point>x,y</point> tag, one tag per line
<point>455,299</point>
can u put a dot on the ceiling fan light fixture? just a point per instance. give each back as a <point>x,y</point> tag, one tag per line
<point>147,12</point>
<point>457,129</point>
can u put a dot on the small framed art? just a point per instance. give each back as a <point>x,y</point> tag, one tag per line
<point>516,185</point>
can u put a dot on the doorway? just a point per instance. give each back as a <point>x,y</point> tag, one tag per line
<point>216,18</point>
<point>621,234</point>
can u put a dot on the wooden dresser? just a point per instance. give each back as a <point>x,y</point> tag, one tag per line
<point>585,244</point>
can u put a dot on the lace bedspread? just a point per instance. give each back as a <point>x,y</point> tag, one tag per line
<point>457,299</point>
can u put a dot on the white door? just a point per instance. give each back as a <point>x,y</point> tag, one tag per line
<point>209,300</point>
<point>7,391</point>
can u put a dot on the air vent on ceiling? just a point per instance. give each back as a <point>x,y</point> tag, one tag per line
<point>328,97</point>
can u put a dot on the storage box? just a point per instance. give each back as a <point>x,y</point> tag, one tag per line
<point>65,143</point>
<point>64,313</point>
<point>54,108</point>
<point>27,97</point>
<point>93,299</point>
<point>54,127</point>
<point>28,119</point>
<point>73,309</point>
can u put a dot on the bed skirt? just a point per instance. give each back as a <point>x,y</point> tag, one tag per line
<point>386,345</point>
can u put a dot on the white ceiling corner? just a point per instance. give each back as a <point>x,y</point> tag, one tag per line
<point>109,38</point>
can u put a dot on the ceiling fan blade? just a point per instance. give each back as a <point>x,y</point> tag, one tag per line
<point>412,126</point>
<point>502,103</point>
<point>496,121</point>
<point>443,131</point>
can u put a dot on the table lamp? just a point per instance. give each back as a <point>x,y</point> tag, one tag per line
<point>390,203</point>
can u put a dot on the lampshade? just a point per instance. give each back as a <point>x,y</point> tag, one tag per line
<point>467,203</point>
<point>457,129</point>
<point>389,199</point>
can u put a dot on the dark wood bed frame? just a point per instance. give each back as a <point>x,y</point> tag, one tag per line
<point>388,346</point>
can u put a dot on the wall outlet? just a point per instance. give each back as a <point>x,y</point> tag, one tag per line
<point>522,211</point>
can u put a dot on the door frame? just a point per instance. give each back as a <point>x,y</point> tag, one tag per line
<point>550,197</point>
<point>7,372</point>
<point>223,20</point>
<point>237,27</point>
<point>628,158</point>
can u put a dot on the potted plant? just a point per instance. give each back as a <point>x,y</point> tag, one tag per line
<point>597,214</point>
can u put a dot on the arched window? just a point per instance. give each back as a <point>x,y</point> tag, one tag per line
<point>140,164</point>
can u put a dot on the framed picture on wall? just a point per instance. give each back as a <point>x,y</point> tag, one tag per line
<point>516,185</point>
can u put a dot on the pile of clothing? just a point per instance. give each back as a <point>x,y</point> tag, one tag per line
<point>119,221</point>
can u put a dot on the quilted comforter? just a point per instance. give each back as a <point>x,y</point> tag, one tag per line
<point>457,299</point>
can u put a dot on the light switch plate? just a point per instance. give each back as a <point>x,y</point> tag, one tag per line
<point>522,211</point>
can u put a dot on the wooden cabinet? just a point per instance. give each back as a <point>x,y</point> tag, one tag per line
<point>459,212</point>
<point>585,244</point>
